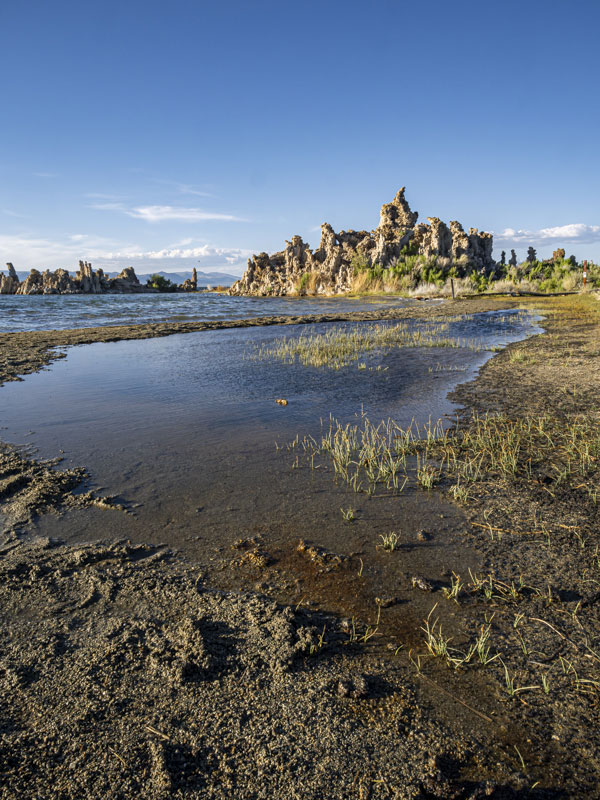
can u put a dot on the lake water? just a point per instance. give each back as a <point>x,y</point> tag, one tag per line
<point>183,429</point>
<point>59,312</point>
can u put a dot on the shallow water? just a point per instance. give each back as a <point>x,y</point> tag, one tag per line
<point>61,312</point>
<point>189,422</point>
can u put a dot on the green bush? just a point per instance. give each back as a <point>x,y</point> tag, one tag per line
<point>161,283</point>
<point>410,249</point>
<point>359,263</point>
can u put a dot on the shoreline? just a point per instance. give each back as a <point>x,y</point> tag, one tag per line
<point>444,712</point>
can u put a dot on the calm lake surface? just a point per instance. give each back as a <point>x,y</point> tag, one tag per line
<point>183,430</point>
<point>59,312</point>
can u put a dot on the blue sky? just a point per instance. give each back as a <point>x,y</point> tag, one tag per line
<point>163,135</point>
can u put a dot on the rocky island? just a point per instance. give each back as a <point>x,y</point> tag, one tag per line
<point>85,281</point>
<point>397,245</point>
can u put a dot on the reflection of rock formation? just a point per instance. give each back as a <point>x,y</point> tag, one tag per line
<point>85,281</point>
<point>330,268</point>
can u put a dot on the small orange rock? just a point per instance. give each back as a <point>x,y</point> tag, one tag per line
<point>281,401</point>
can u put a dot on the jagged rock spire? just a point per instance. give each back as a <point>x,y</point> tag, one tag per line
<point>333,264</point>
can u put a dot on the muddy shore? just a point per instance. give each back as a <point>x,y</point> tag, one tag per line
<point>111,650</point>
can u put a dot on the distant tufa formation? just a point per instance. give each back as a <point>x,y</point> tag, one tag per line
<point>332,263</point>
<point>190,284</point>
<point>85,281</point>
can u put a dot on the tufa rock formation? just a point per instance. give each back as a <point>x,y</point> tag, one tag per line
<point>190,284</point>
<point>9,283</point>
<point>85,281</point>
<point>331,267</point>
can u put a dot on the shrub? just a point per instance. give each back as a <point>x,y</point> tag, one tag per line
<point>161,283</point>
<point>359,263</point>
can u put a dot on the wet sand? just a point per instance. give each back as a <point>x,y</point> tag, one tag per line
<point>476,736</point>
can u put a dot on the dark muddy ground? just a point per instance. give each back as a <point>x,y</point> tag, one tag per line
<point>516,719</point>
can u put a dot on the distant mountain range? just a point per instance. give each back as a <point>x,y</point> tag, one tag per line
<point>204,278</point>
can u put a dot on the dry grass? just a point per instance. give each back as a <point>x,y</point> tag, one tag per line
<point>308,284</point>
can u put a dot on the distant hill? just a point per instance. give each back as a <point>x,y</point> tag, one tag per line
<point>204,278</point>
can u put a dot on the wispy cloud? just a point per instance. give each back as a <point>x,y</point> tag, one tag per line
<point>162,213</point>
<point>46,174</point>
<point>183,188</point>
<point>10,213</point>
<point>109,207</point>
<point>167,213</point>
<point>574,233</point>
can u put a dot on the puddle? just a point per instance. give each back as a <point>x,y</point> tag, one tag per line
<point>184,429</point>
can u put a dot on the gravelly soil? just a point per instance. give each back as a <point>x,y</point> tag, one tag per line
<point>174,690</point>
<point>123,676</point>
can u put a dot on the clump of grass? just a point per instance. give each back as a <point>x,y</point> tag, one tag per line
<point>456,587</point>
<point>427,474</point>
<point>490,447</point>
<point>435,641</point>
<point>481,647</point>
<point>316,647</point>
<point>348,514</point>
<point>520,357</point>
<point>567,451</point>
<point>340,346</point>
<point>499,591</point>
<point>512,689</point>
<point>361,453</point>
<point>307,284</point>
<point>390,541</point>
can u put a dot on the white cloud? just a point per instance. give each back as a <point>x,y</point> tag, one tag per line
<point>229,255</point>
<point>27,251</point>
<point>574,233</point>
<point>167,213</point>
<point>162,213</point>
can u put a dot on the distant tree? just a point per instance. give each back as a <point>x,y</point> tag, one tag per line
<point>161,283</point>
<point>513,259</point>
<point>558,255</point>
